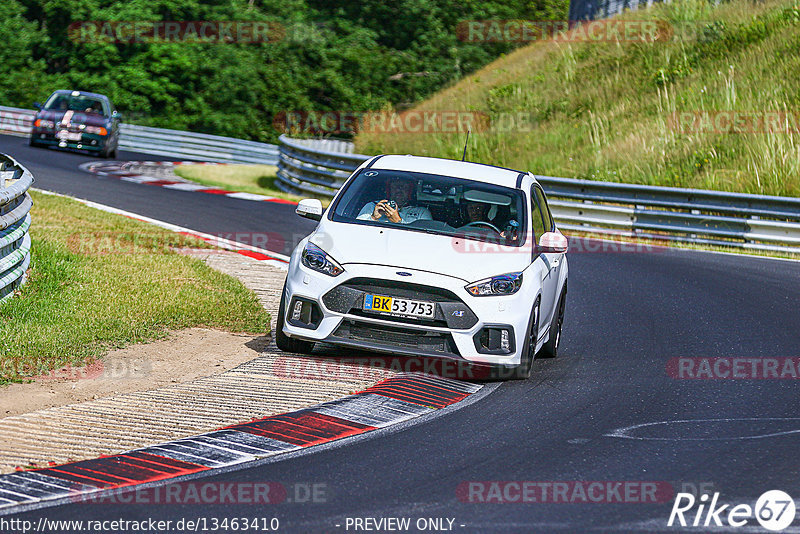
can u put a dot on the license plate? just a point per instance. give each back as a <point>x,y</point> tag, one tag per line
<point>398,306</point>
<point>69,136</point>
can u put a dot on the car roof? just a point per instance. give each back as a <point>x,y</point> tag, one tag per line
<point>82,93</point>
<point>449,167</point>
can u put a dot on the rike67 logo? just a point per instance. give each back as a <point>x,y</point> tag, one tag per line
<point>774,510</point>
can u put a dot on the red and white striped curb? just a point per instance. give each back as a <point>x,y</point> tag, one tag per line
<point>273,258</point>
<point>387,403</point>
<point>121,170</point>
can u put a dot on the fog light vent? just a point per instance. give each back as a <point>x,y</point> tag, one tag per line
<point>305,313</point>
<point>495,340</point>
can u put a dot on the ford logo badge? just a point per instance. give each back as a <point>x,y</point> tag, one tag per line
<point>403,273</point>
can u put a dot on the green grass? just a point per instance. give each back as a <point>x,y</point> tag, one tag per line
<point>259,179</point>
<point>100,281</point>
<point>602,110</point>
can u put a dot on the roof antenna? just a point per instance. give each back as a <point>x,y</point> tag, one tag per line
<point>464,156</point>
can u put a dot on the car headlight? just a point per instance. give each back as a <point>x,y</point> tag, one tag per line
<point>97,130</point>
<point>503,284</point>
<point>318,260</point>
<point>43,123</point>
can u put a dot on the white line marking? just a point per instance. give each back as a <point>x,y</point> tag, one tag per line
<point>185,187</point>
<point>137,179</point>
<point>624,432</point>
<point>114,169</point>
<point>220,242</point>
<point>249,196</point>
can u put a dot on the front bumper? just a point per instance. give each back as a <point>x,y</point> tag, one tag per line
<point>332,313</point>
<point>91,142</point>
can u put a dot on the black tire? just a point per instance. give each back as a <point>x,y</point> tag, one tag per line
<point>550,349</point>
<point>33,143</point>
<point>286,343</point>
<point>523,370</point>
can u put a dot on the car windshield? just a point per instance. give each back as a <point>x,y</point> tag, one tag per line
<point>83,104</point>
<point>433,204</point>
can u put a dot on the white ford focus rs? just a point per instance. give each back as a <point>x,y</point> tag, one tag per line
<point>430,257</point>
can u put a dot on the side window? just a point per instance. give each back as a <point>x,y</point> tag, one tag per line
<point>540,199</point>
<point>537,223</point>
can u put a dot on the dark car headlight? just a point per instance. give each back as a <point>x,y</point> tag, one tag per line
<point>44,123</point>
<point>503,284</point>
<point>96,130</point>
<point>318,260</point>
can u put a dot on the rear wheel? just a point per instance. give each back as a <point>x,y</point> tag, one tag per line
<point>523,370</point>
<point>31,142</point>
<point>550,349</point>
<point>284,342</point>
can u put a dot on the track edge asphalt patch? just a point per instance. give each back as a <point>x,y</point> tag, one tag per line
<point>259,442</point>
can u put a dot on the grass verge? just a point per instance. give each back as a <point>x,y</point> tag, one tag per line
<point>604,109</point>
<point>100,281</point>
<point>259,179</point>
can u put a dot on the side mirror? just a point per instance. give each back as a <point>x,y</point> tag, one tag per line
<point>553,242</point>
<point>117,115</point>
<point>38,105</point>
<point>310,208</point>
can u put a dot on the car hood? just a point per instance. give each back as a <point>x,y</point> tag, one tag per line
<point>89,119</point>
<point>467,260</point>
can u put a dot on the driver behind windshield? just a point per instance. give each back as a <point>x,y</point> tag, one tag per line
<point>477,211</point>
<point>479,214</point>
<point>396,208</point>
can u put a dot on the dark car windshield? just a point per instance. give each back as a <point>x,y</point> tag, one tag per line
<point>83,104</point>
<point>434,204</point>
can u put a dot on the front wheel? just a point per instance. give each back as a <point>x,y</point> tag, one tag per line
<point>284,342</point>
<point>550,349</point>
<point>523,370</point>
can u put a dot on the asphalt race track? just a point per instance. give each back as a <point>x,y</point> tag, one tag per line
<point>58,171</point>
<point>628,315</point>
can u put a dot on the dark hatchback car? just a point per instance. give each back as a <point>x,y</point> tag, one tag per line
<point>77,120</point>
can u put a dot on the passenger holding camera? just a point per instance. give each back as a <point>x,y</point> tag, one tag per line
<point>396,208</point>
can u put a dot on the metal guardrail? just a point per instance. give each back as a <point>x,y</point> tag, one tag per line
<point>757,222</point>
<point>163,142</point>
<point>308,167</point>
<point>15,220</point>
